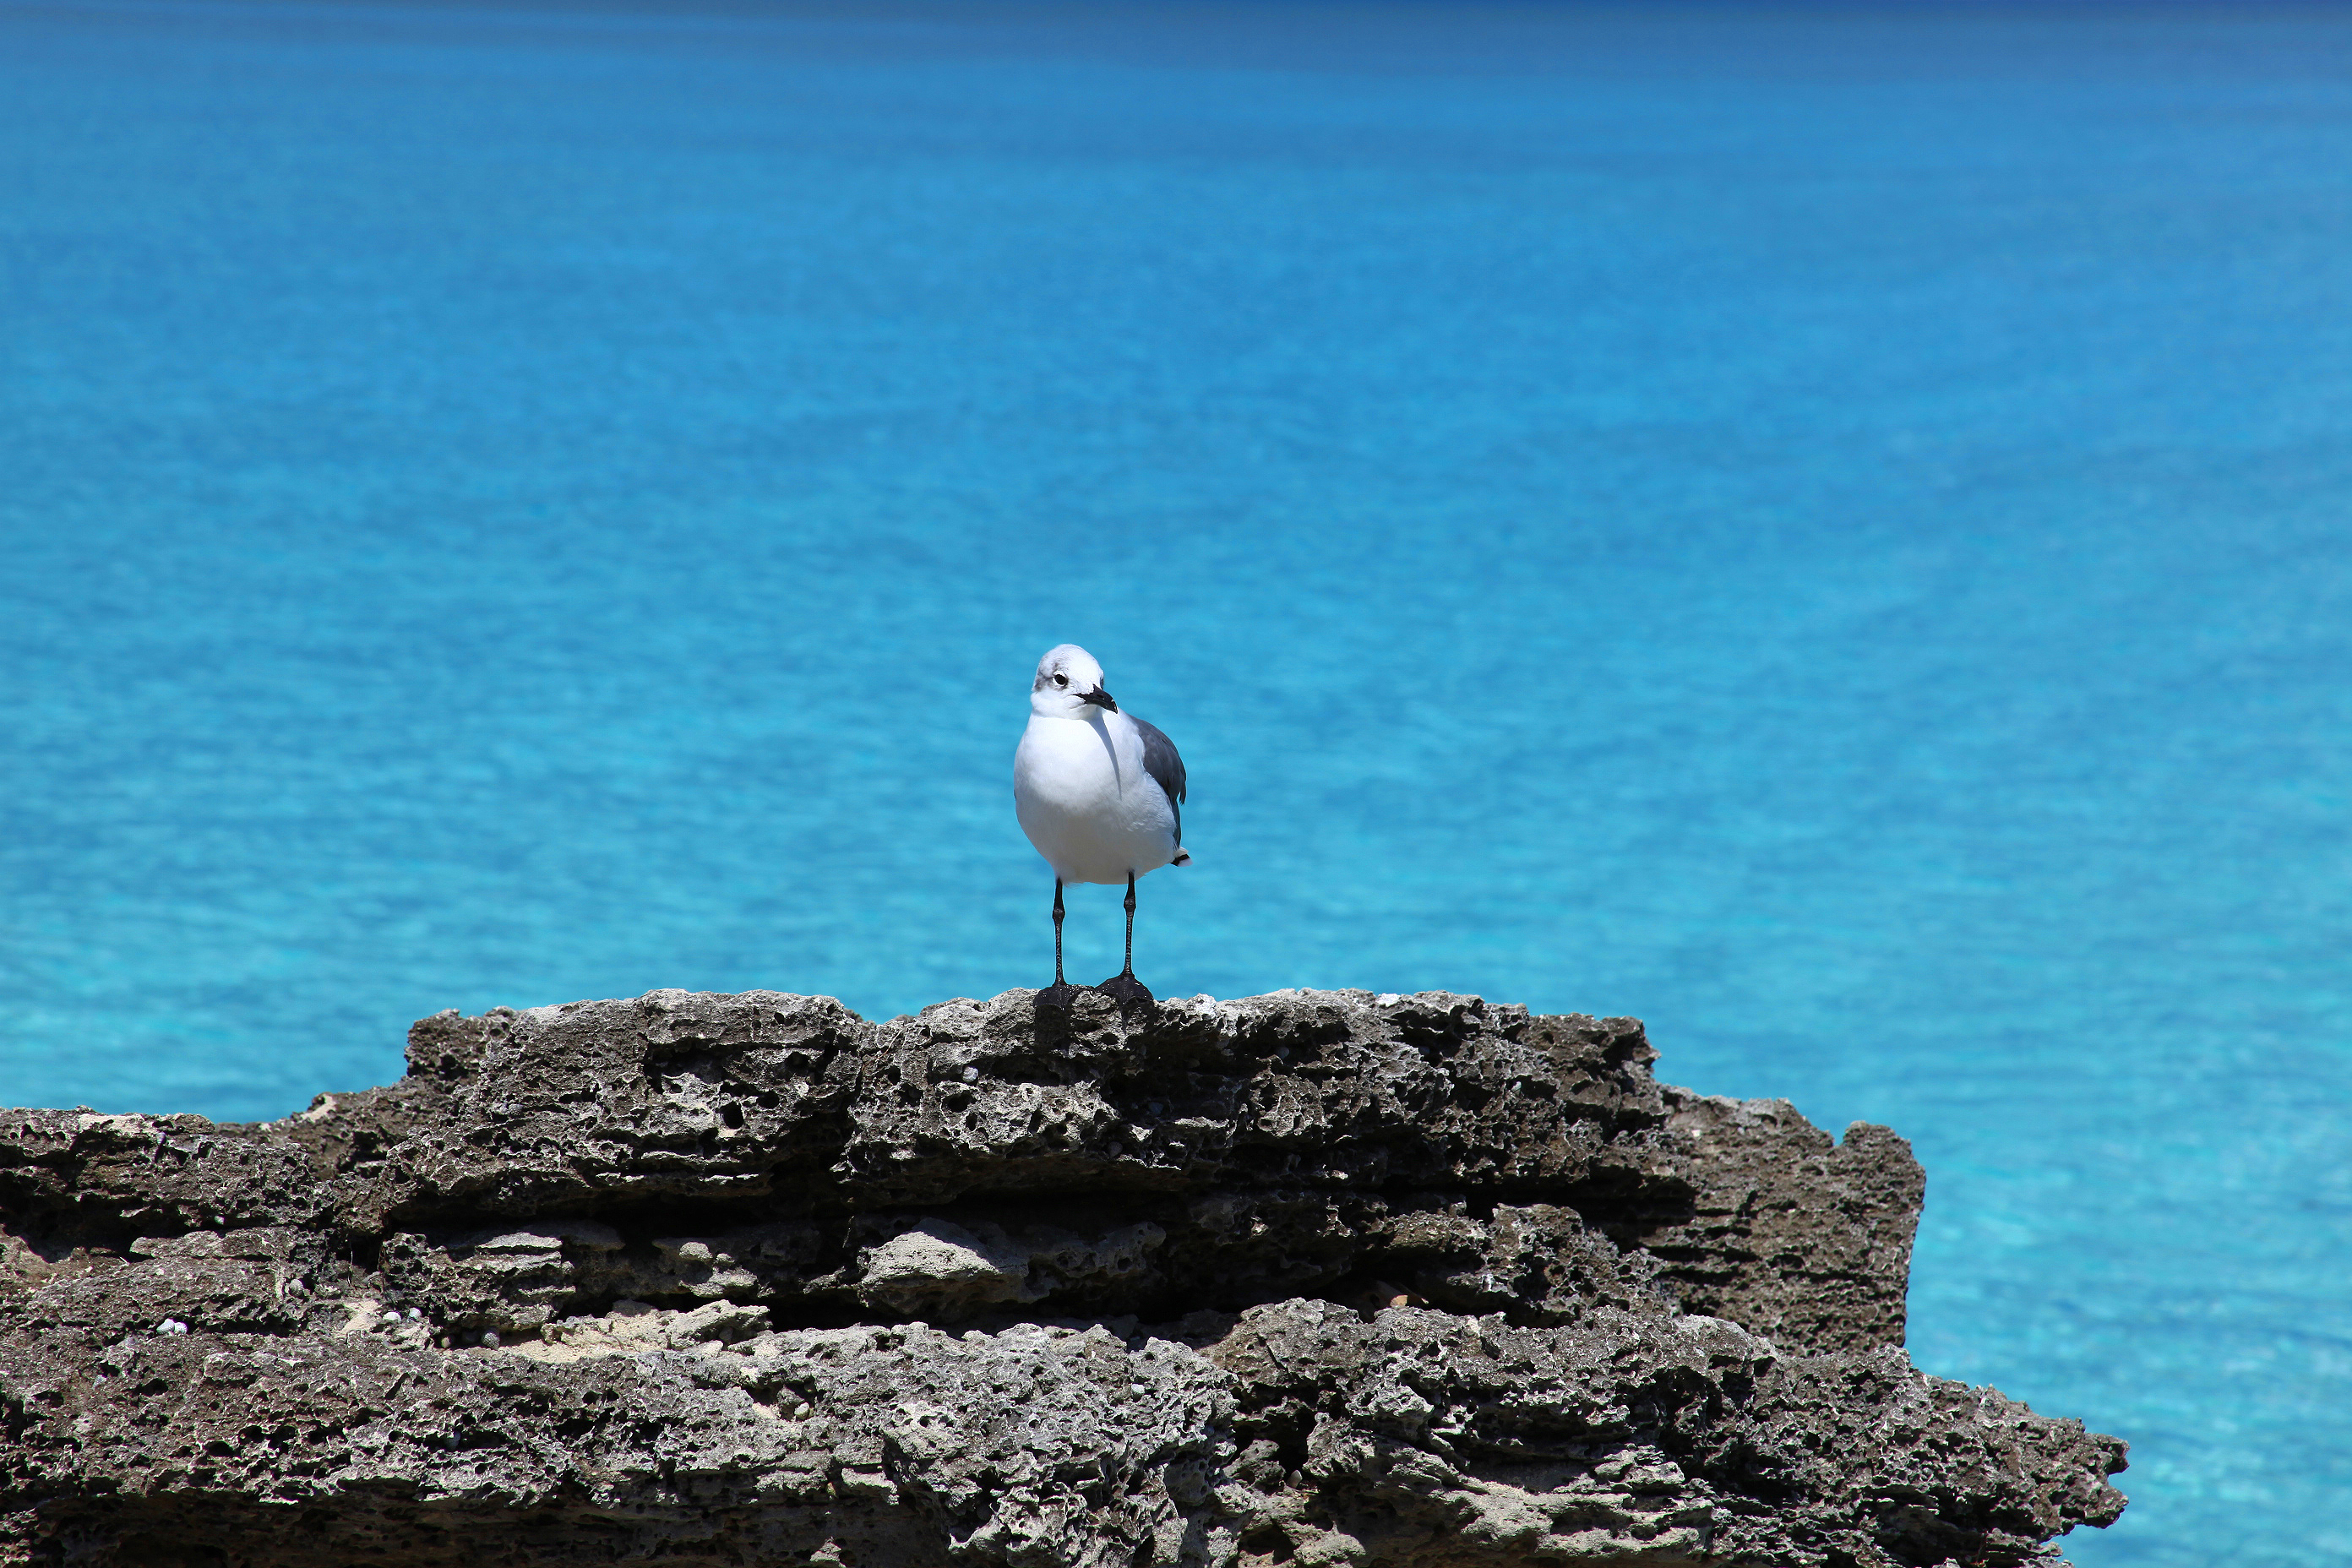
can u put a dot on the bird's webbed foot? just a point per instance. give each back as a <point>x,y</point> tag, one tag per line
<point>1060,996</point>
<point>1125,990</point>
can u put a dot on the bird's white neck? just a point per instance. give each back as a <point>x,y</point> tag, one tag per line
<point>1062,705</point>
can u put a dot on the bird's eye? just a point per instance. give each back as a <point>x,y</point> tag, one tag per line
<point>1061,680</point>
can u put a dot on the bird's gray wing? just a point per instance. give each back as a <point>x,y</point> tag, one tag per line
<point>1166,768</point>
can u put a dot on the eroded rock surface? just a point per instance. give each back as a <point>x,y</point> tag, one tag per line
<point>1313,1278</point>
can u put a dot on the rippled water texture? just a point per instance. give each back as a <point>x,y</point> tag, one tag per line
<point>1826,531</point>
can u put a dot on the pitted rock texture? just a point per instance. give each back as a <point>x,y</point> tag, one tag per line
<point>1313,1278</point>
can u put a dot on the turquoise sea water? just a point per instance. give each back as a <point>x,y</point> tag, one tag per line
<point>1824,529</point>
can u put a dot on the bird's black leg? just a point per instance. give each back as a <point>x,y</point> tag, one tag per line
<point>1124,988</point>
<point>1063,991</point>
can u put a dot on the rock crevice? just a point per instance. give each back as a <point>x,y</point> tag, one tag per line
<point>1312,1278</point>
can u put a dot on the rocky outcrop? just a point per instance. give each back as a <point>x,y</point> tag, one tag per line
<point>1313,1278</point>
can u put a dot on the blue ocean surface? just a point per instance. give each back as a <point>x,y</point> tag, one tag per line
<point>1825,529</point>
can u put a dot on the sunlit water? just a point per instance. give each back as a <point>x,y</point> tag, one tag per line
<point>1824,530</point>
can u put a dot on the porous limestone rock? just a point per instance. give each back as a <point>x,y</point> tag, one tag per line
<point>1318,1277</point>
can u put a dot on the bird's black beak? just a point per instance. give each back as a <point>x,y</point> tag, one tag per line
<point>1099,698</point>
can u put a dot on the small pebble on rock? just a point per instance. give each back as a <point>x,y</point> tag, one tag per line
<point>489,1338</point>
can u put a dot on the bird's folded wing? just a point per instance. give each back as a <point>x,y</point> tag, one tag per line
<point>1166,768</point>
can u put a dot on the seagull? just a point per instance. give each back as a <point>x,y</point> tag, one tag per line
<point>1097,792</point>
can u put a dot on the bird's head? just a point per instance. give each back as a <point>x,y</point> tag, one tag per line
<point>1068,685</point>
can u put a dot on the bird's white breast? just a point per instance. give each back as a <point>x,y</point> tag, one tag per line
<point>1085,801</point>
